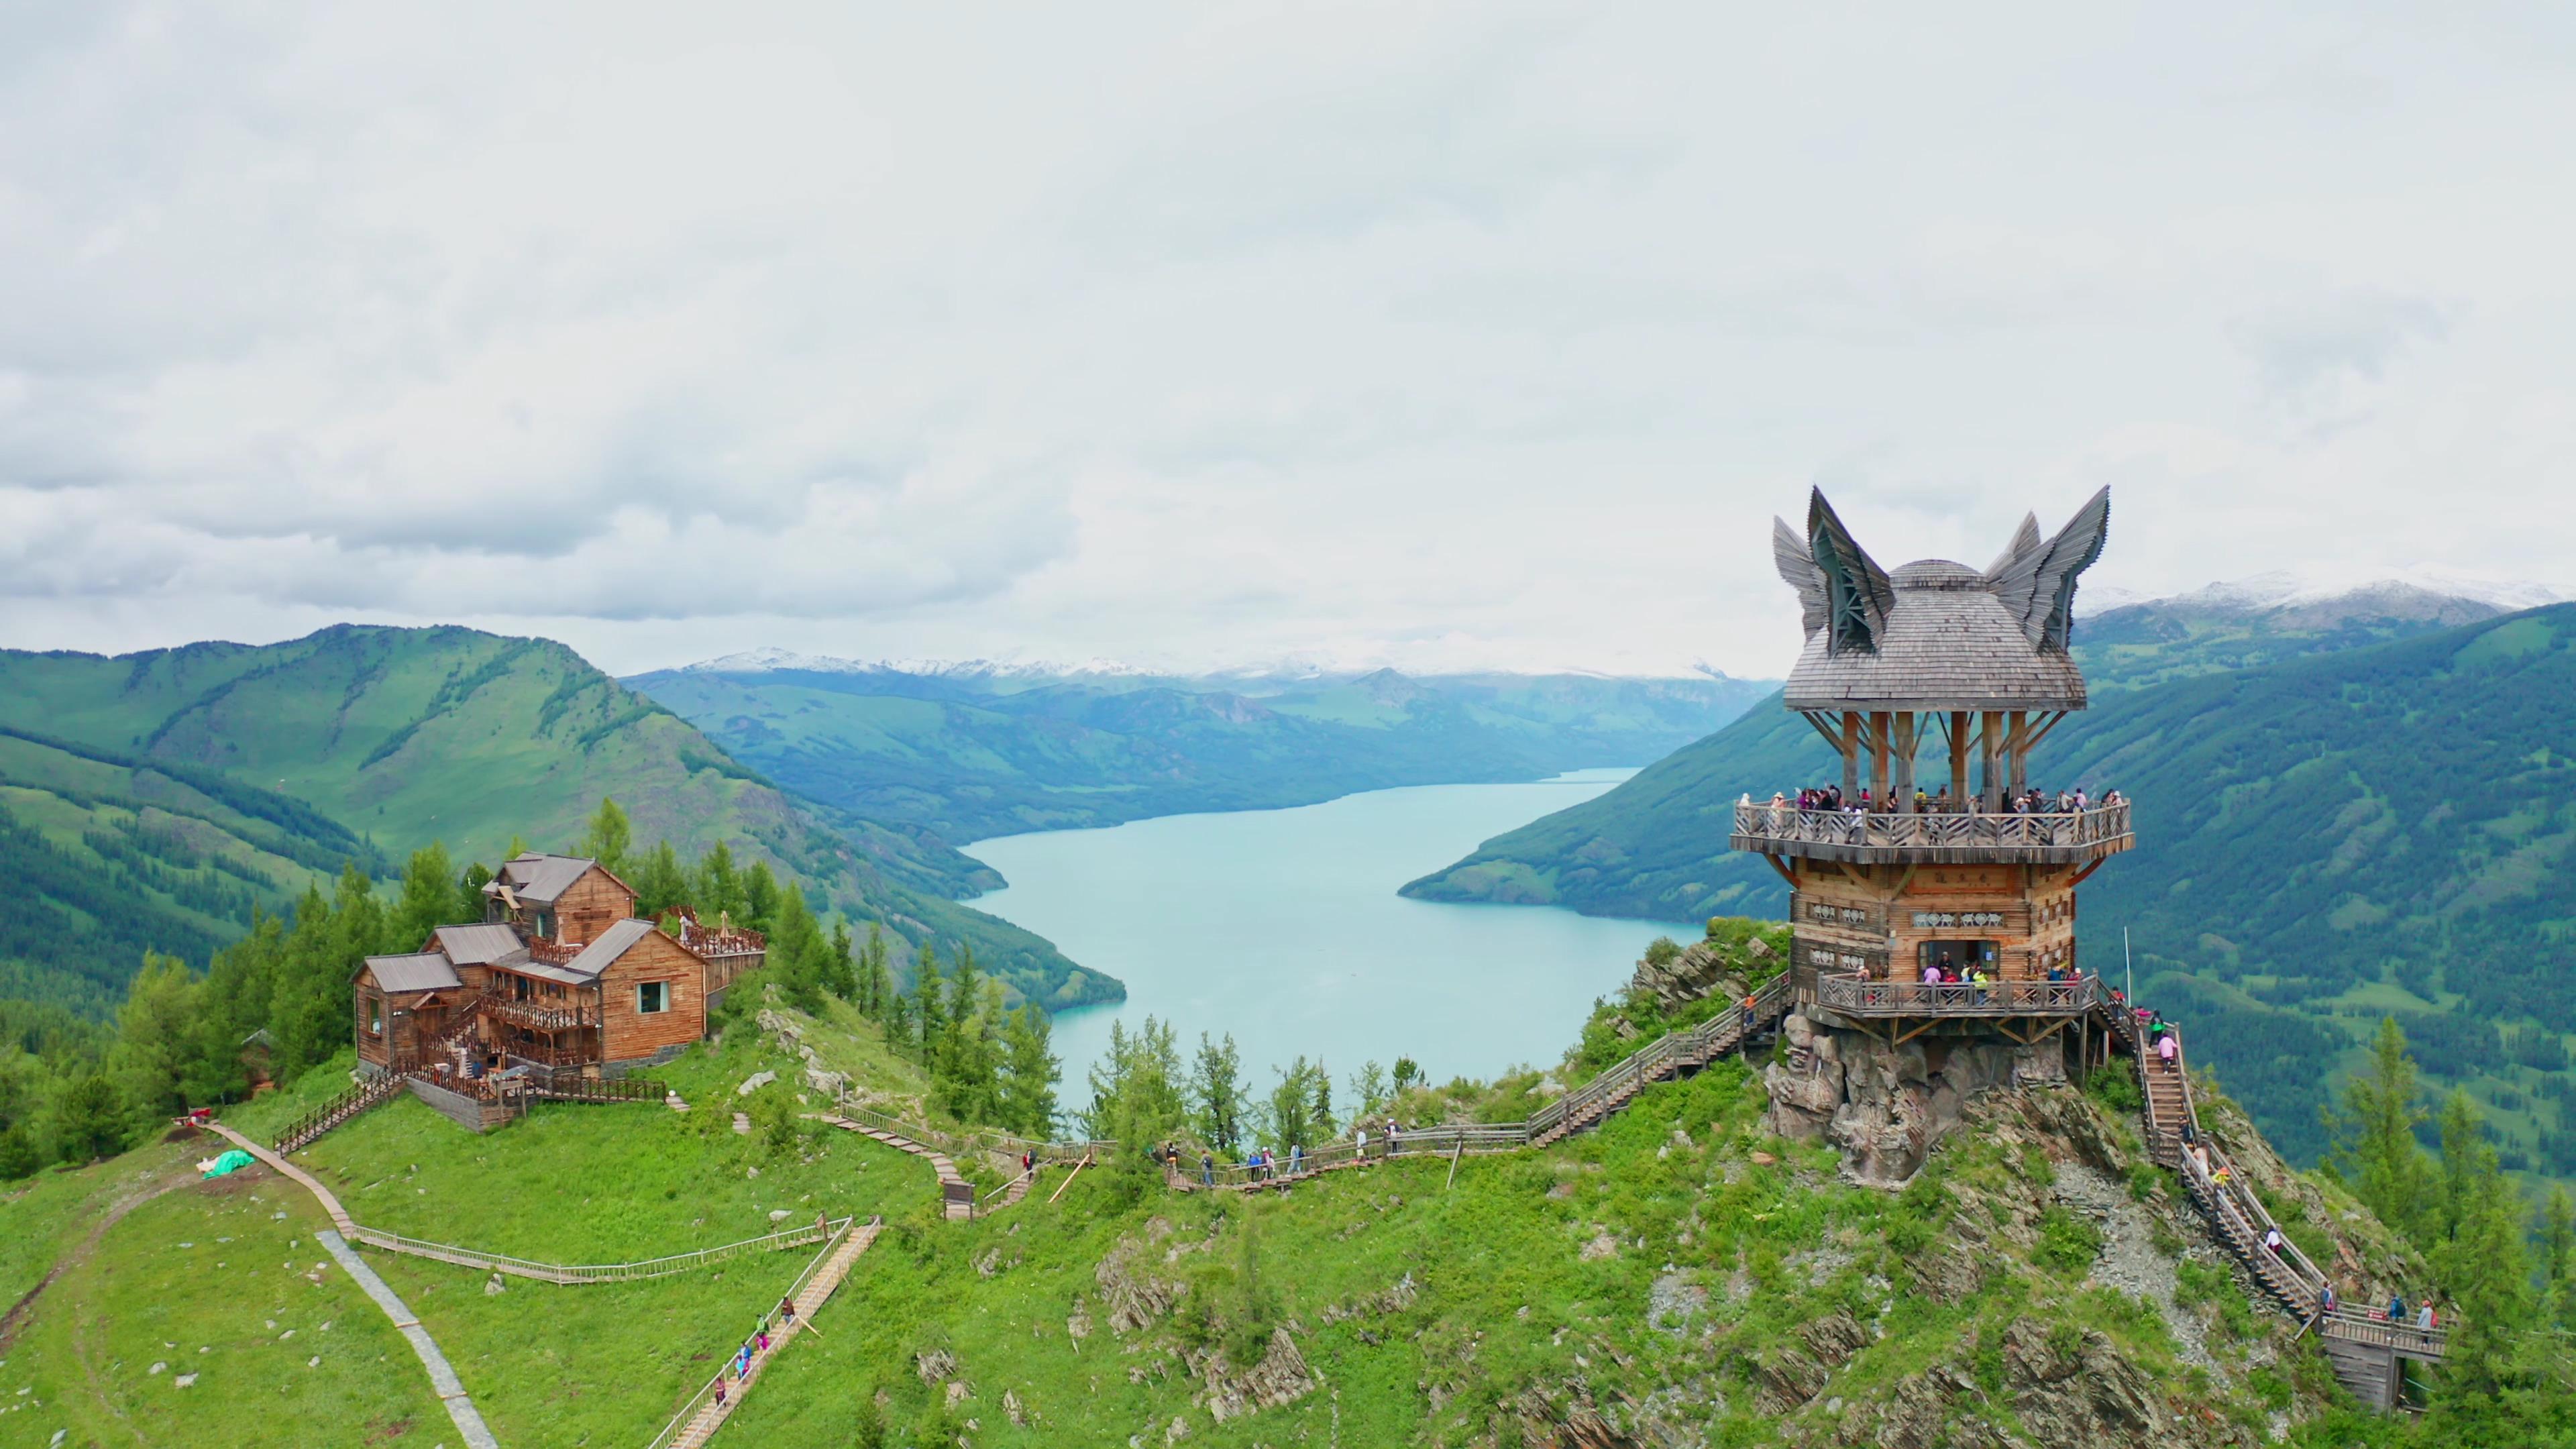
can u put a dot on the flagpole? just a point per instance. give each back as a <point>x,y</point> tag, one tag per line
<point>2131,972</point>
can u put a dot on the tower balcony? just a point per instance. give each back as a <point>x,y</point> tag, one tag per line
<point>1946,838</point>
<point>1867,996</point>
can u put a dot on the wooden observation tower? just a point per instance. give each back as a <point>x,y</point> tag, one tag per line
<point>1932,888</point>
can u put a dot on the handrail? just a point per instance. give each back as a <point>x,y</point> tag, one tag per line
<point>1890,830</point>
<point>2241,1216</point>
<point>1860,995</point>
<point>575,1273</point>
<point>688,1411</point>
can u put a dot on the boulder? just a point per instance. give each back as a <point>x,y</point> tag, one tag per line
<point>755,1082</point>
<point>1887,1107</point>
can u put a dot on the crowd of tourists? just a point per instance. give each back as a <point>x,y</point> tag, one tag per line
<point>1830,799</point>
<point>1269,1164</point>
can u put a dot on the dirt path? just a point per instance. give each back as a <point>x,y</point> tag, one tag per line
<point>176,1175</point>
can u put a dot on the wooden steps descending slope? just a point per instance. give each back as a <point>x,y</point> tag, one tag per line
<point>708,1415</point>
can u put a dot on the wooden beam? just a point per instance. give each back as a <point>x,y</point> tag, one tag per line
<point>1989,787</point>
<point>1785,873</point>
<point>1816,722</point>
<point>1957,729</point>
<point>1878,751</point>
<point>1905,723</point>
<point>2017,746</point>
<point>1851,755</point>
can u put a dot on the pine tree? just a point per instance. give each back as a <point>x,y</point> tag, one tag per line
<point>760,896</point>
<point>469,892</point>
<point>718,886</point>
<point>840,973</point>
<point>2483,1260</point>
<point>1216,1090</point>
<point>1027,1097</point>
<point>661,883</point>
<point>928,1016</point>
<point>609,837</point>
<point>876,988</point>
<point>428,898</point>
<point>89,1120</point>
<point>2374,1135</point>
<point>797,948</point>
<point>159,1061</point>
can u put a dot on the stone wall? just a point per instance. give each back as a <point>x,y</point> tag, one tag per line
<point>463,1110</point>
<point>1886,1107</point>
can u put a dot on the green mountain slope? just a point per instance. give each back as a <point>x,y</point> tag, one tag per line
<point>971,755</point>
<point>2320,840</point>
<point>403,736</point>
<point>109,856</point>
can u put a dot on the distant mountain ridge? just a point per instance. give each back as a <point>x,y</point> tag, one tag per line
<point>974,749</point>
<point>402,736</point>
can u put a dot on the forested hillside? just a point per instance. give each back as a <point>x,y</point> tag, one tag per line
<point>970,754</point>
<point>2319,840</point>
<point>367,743</point>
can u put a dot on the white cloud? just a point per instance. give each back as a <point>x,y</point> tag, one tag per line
<point>1477,335</point>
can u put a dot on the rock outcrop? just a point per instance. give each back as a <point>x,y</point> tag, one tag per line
<point>1704,968</point>
<point>1886,1107</point>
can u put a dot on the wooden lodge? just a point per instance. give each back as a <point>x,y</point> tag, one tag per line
<point>1935,894</point>
<point>561,975</point>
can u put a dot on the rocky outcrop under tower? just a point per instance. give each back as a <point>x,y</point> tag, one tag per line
<point>1886,1106</point>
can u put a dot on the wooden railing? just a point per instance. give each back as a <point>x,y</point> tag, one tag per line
<point>1855,995</point>
<point>2240,1217</point>
<point>689,1411</point>
<point>600,1089</point>
<point>968,1143</point>
<point>1760,825</point>
<point>571,1273</point>
<point>358,1098</point>
<point>542,1018</point>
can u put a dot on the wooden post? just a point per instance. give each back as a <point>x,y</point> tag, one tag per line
<point>1958,759</point>
<point>2017,744</point>
<point>1905,762</point>
<point>1851,755</point>
<point>1990,786</point>
<point>1878,743</point>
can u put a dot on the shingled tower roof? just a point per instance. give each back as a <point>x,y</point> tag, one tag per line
<point>1937,635</point>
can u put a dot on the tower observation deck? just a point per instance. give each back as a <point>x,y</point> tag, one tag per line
<point>1933,885</point>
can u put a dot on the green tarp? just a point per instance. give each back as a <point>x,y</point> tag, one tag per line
<point>232,1161</point>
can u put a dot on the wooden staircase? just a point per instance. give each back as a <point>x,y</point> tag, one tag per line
<point>2364,1350</point>
<point>1676,1054</point>
<point>371,1092</point>
<point>702,1416</point>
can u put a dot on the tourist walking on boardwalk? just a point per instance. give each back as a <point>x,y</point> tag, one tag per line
<point>2326,1299</point>
<point>1359,1144</point>
<point>1296,1158</point>
<point>787,1310</point>
<point>2166,1050</point>
<point>2273,1242</point>
<point>1207,1169</point>
<point>1394,1137</point>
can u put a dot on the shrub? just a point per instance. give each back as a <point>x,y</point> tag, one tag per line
<point>1662,951</point>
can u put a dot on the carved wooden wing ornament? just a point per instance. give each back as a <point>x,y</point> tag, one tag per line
<point>1857,594</point>
<point>2036,581</point>
<point>1798,570</point>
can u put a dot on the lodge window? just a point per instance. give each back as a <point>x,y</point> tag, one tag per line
<point>375,1016</point>
<point>652,997</point>
<point>546,924</point>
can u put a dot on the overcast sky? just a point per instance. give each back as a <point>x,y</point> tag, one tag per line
<point>1485,336</point>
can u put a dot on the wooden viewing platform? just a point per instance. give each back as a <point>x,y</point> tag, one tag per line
<point>1948,838</point>
<point>1867,996</point>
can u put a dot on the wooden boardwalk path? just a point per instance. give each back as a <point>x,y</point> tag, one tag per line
<point>956,1194</point>
<point>703,1415</point>
<point>2363,1347</point>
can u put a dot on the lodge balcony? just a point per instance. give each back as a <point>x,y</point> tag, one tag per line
<point>536,1017</point>
<point>1936,838</point>
<point>1867,996</point>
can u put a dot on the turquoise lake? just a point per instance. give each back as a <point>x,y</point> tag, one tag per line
<point>1283,927</point>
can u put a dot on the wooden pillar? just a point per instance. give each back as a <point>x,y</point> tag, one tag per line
<point>1958,758</point>
<point>1878,742</point>
<point>1990,785</point>
<point>2018,742</point>
<point>1851,755</point>
<point>1905,723</point>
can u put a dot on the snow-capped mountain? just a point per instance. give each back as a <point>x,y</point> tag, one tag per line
<point>2413,593</point>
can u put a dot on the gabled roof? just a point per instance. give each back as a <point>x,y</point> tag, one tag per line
<point>539,879</point>
<point>479,945</point>
<point>614,942</point>
<point>420,971</point>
